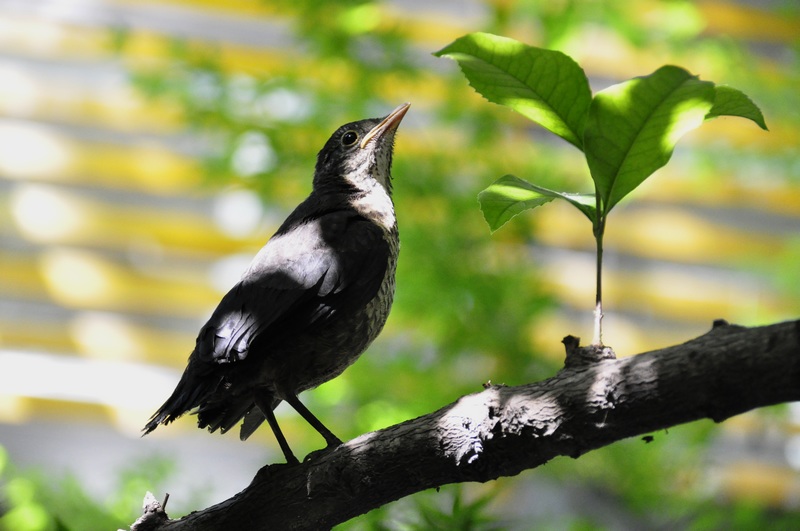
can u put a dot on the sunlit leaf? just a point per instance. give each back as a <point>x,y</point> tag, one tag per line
<point>729,101</point>
<point>510,195</point>
<point>545,86</point>
<point>633,127</point>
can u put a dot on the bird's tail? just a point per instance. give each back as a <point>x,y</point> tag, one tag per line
<point>256,415</point>
<point>252,420</point>
<point>216,409</point>
<point>189,393</point>
<point>223,414</point>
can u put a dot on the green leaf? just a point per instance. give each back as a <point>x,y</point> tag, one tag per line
<point>729,101</point>
<point>510,195</point>
<point>545,86</point>
<point>633,127</point>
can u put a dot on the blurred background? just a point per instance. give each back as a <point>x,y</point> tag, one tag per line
<point>149,148</point>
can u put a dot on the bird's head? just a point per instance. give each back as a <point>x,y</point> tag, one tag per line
<point>359,154</point>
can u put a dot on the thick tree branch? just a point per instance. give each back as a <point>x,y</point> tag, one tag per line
<point>502,431</point>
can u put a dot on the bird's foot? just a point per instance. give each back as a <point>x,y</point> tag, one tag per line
<point>316,454</point>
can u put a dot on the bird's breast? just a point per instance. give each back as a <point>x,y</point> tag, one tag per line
<point>378,308</point>
<point>350,335</point>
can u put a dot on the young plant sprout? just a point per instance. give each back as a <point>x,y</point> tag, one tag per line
<point>626,132</point>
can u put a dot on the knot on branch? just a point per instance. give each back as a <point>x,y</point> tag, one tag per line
<point>578,356</point>
<point>153,514</point>
<point>719,324</point>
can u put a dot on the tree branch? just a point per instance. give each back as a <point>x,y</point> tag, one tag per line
<point>502,431</point>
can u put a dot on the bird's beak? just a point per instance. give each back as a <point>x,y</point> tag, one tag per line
<point>389,123</point>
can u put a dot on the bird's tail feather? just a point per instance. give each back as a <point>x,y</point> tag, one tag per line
<point>188,394</point>
<point>252,420</point>
<point>255,417</point>
<point>213,412</point>
<point>223,415</point>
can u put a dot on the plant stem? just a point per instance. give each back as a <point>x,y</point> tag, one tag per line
<point>599,230</point>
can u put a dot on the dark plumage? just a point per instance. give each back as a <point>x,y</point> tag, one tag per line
<point>312,300</point>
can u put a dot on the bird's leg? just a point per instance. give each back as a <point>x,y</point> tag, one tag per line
<point>266,408</point>
<point>298,406</point>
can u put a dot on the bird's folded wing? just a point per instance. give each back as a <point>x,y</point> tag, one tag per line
<point>301,279</point>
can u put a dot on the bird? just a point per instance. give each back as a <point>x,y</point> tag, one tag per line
<point>311,301</point>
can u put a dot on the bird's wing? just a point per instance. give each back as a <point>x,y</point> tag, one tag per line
<point>300,279</point>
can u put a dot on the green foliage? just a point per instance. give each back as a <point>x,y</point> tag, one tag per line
<point>629,131</point>
<point>510,195</point>
<point>634,126</point>
<point>545,86</point>
<point>746,515</point>
<point>463,515</point>
<point>452,507</point>
<point>35,500</point>
<point>626,131</point>
<point>729,101</point>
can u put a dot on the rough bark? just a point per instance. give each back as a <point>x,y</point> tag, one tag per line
<point>593,401</point>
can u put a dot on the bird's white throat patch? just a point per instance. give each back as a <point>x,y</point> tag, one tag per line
<point>376,205</point>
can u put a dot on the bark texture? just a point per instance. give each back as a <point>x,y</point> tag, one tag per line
<point>593,401</point>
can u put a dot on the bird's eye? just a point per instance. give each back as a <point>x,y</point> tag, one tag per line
<point>349,138</point>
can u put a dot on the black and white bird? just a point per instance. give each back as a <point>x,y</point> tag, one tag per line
<point>311,302</point>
